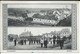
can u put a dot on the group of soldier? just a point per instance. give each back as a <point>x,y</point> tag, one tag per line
<point>19,42</point>
<point>44,42</point>
<point>24,42</point>
<point>54,40</point>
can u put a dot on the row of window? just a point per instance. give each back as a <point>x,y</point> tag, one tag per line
<point>44,20</point>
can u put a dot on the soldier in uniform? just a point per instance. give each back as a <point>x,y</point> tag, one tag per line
<point>61,42</point>
<point>45,43</point>
<point>54,39</point>
<point>58,38</point>
<point>22,42</point>
<point>42,42</point>
<point>25,41</point>
<point>15,42</point>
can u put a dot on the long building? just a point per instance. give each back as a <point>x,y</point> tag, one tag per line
<point>28,36</point>
<point>62,33</point>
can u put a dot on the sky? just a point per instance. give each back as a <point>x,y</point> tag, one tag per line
<point>38,6</point>
<point>35,30</point>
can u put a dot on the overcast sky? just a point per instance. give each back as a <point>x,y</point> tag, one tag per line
<point>39,6</point>
<point>34,30</point>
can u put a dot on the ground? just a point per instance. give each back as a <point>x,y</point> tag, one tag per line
<point>37,46</point>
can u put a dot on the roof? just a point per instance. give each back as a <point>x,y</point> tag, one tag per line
<point>28,33</point>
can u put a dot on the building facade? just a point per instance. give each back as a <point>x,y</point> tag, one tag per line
<point>44,21</point>
<point>65,32</point>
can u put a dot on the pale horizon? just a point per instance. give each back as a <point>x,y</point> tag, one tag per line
<point>34,30</point>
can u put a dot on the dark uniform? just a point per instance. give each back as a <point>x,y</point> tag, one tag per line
<point>37,41</point>
<point>21,42</point>
<point>54,39</point>
<point>58,38</point>
<point>25,41</point>
<point>61,42</point>
<point>14,42</point>
<point>45,43</point>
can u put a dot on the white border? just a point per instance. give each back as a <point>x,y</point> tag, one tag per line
<point>37,51</point>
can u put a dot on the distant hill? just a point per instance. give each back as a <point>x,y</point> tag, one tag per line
<point>12,22</point>
<point>65,22</point>
<point>20,11</point>
<point>16,11</point>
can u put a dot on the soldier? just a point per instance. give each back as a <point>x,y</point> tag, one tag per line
<point>25,41</point>
<point>51,41</point>
<point>34,41</point>
<point>61,42</point>
<point>42,42</point>
<point>54,39</point>
<point>22,42</point>
<point>15,42</point>
<point>45,43</point>
<point>58,38</point>
<point>37,41</point>
<point>29,42</point>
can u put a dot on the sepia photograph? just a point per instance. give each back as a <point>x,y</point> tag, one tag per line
<point>33,15</point>
<point>21,38</point>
